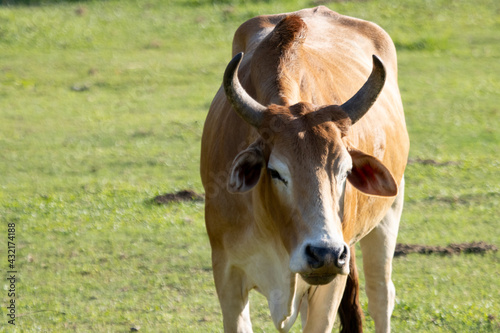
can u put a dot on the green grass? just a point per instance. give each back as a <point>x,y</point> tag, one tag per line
<point>102,106</point>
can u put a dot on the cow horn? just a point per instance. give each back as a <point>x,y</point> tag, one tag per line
<point>245,106</point>
<point>361,102</point>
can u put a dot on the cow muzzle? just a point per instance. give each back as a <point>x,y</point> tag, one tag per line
<point>323,263</point>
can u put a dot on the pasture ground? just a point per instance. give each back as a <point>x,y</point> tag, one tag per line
<point>102,106</point>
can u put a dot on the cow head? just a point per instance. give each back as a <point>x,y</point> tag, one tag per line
<point>300,165</point>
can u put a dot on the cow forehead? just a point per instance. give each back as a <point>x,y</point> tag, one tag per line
<point>305,132</point>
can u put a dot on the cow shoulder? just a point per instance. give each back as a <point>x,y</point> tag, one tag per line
<point>372,35</point>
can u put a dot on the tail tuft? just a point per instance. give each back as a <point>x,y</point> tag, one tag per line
<point>350,312</point>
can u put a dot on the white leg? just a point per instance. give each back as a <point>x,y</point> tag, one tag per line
<point>323,303</point>
<point>303,310</point>
<point>233,297</point>
<point>378,250</point>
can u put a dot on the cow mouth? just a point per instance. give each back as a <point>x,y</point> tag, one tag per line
<point>317,279</point>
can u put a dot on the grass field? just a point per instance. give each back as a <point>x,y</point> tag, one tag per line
<point>102,105</point>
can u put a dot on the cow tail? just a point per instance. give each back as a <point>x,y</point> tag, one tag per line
<point>350,312</point>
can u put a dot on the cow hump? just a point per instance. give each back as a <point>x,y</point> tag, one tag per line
<point>288,33</point>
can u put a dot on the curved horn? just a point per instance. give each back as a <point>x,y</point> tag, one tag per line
<point>361,102</point>
<point>245,106</point>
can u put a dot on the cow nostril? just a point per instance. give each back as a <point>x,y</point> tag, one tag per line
<point>318,257</point>
<point>342,257</point>
<point>314,257</point>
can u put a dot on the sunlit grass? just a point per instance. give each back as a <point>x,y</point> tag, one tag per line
<point>102,105</point>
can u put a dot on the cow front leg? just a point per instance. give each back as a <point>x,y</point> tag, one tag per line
<point>378,250</point>
<point>322,306</point>
<point>232,291</point>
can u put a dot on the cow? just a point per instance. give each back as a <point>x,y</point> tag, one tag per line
<point>303,155</point>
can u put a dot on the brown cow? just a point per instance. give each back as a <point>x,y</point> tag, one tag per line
<point>296,170</point>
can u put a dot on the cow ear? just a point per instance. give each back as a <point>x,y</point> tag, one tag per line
<point>246,169</point>
<point>370,176</point>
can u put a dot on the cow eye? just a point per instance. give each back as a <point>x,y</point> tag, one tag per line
<point>275,175</point>
<point>343,176</point>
